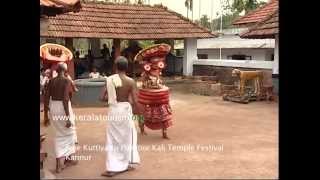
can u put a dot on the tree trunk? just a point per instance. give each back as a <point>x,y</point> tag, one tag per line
<point>192,15</point>
<point>187,13</point>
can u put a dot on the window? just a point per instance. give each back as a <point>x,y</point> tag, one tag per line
<point>202,56</point>
<point>272,57</point>
<point>239,57</point>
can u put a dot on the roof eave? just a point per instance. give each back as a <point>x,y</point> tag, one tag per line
<point>54,10</point>
<point>124,38</point>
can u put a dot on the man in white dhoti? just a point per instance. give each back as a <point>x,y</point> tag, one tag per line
<point>58,105</point>
<point>121,145</point>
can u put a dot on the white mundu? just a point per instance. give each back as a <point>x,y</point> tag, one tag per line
<point>121,141</point>
<point>65,138</point>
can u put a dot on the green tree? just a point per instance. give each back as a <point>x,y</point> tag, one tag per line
<point>227,20</point>
<point>204,21</point>
<point>231,11</point>
<point>238,6</point>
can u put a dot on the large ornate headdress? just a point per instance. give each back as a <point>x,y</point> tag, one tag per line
<point>152,60</point>
<point>55,52</point>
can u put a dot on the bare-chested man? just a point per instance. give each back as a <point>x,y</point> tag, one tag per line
<point>58,105</point>
<point>121,143</point>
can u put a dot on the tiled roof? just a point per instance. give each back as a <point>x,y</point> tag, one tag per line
<point>267,28</point>
<point>107,20</point>
<point>53,7</point>
<point>258,14</point>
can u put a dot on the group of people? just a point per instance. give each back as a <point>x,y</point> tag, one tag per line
<point>121,140</point>
<point>82,67</point>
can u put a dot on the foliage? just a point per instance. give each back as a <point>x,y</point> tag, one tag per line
<point>204,22</point>
<point>231,9</point>
<point>238,6</point>
<point>226,21</point>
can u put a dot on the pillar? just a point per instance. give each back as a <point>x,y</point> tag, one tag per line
<point>117,53</point>
<point>190,54</point>
<point>275,69</point>
<point>116,44</point>
<point>69,45</point>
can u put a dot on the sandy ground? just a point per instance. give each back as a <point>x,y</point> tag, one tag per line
<point>210,138</point>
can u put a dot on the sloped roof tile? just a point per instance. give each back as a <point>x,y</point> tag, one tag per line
<point>258,14</point>
<point>108,20</point>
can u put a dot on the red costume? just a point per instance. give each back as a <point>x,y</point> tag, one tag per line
<point>154,95</point>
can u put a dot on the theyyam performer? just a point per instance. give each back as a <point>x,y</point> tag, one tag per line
<point>121,141</point>
<point>154,95</point>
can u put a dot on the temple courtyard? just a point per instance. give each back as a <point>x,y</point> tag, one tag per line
<point>210,138</point>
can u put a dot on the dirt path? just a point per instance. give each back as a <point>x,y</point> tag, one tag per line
<point>220,140</point>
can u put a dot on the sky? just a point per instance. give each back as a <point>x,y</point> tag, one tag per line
<point>205,7</point>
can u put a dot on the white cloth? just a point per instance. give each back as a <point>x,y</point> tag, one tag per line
<point>65,138</point>
<point>121,142</point>
<point>94,75</point>
<point>41,78</point>
<point>113,82</point>
<point>54,74</point>
<point>44,80</point>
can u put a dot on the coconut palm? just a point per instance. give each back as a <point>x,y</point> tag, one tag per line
<point>186,4</point>
<point>189,5</point>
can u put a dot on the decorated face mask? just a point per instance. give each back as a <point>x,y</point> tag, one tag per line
<point>154,66</point>
<point>152,61</point>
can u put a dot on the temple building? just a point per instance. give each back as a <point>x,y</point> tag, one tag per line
<point>119,22</point>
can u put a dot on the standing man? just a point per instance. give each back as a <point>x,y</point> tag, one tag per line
<point>121,143</point>
<point>90,59</point>
<point>105,52</point>
<point>106,58</point>
<point>76,61</point>
<point>57,101</point>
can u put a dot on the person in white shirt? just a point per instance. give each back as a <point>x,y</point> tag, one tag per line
<point>94,73</point>
<point>42,75</point>
<point>44,79</point>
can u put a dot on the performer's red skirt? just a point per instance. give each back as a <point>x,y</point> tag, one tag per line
<point>157,111</point>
